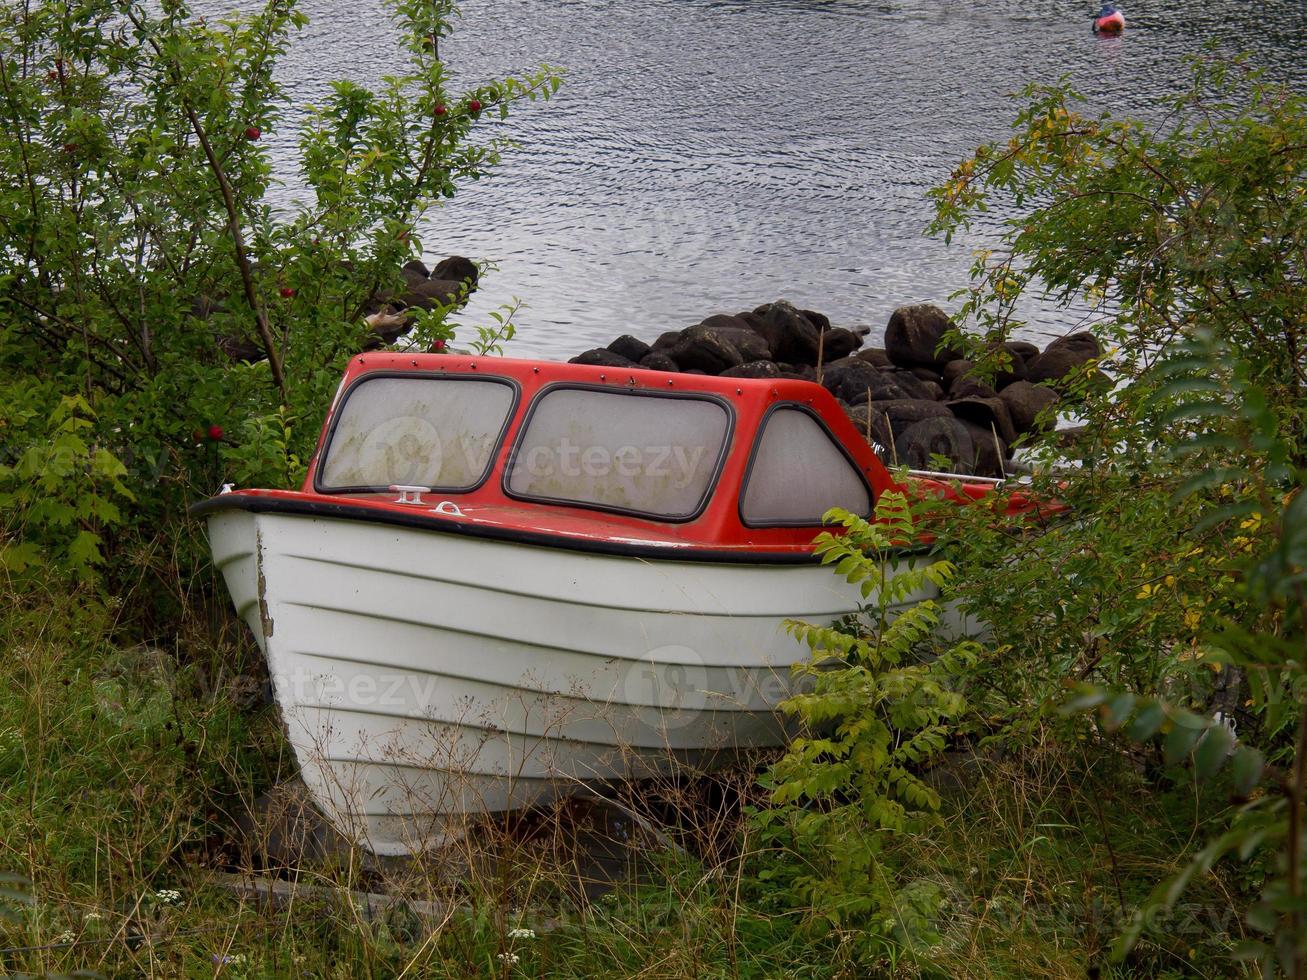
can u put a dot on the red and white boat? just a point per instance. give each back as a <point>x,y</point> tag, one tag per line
<point>504,580</point>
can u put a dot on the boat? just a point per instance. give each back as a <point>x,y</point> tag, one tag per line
<point>505,581</point>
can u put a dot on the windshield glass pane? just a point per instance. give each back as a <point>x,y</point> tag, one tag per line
<point>799,473</point>
<point>647,454</point>
<point>426,432</point>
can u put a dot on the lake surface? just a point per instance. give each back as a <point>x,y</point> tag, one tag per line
<point>712,155</point>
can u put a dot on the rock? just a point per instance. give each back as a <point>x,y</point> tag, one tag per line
<point>703,349</point>
<point>750,319</point>
<point>987,413</point>
<point>935,391</point>
<point>603,357</point>
<point>1014,372</point>
<point>990,455</point>
<point>630,347</point>
<point>668,339</point>
<point>751,345</point>
<point>942,436</point>
<point>902,413</point>
<point>1025,401</point>
<point>955,369</point>
<point>876,429</point>
<point>850,378</point>
<point>658,361</point>
<point>927,374</point>
<point>909,382</point>
<point>914,333</point>
<point>798,372</point>
<point>970,387</point>
<point>432,293</point>
<point>819,320</point>
<point>753,369</point>
<point>726,320</point>
<point>837,343</point>
<point>876,356</point>
<point>790,335</point>
<point>417,269</point>
<point>1021,348</point>
<point>457,268</point>
<point>1063,356</point>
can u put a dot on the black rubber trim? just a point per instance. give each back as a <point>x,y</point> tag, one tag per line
<point>444,525</point>
<point>544,392</point>
<point>364,378</point>
<point>753,457</point>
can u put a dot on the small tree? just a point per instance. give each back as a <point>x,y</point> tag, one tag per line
<point>144,275</point>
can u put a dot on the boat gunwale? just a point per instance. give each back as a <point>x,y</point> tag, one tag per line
<point>304,505</point>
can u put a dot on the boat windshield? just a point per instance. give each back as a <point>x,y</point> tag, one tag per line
<point>645,453</point>
<point>799,472</point>
<point>417,430</point>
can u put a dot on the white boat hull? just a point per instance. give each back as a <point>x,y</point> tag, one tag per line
<point>423,675</point>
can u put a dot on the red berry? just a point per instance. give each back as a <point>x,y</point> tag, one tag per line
<point>215,433</point>
<point>252,133</point>
<point>438,346</point>
<point>474,106</point>
<point>441,110</point>
<point>287,292</point>
<point>70,147</point>
<point>52,76</point>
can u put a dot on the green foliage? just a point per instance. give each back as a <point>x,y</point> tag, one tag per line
<point>145,272</point>
<point>1170,599</point>
<point>876,707</point>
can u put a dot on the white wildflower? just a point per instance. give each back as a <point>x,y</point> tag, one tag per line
<point>93,916</point>
<point>521,933</point>
<point>167,896</point>
<point>65,937</point>
<point>509,958</point>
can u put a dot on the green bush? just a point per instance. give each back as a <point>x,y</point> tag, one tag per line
<point>163,326</point>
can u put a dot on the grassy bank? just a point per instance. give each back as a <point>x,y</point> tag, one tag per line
<point>129,781</point>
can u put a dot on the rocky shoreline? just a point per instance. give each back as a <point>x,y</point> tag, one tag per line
<point>915,400</point>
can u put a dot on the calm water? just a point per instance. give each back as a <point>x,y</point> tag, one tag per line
<point>711,156</point>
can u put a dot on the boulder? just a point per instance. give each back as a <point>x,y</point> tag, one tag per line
<point>1014,372</point>
<point>753,369</point>
<point>414,270</point>
<point>933,437</point>
<point>935,391</point>
<point>703,349</point>
<point>667,339</point>
<point>850,378</point>
<point>953,370</point>
<point>603,357</point>
<point>990,453</point>
<point>927,374</point>
<point>914,334</point>
<point>457,268</point>
<point>1063,356</point>
<point>872,426</point>
<point>968,386</point>
<point>837,343</point>
<point>876,356</point>
<point>428,294</point>
<point>1021,348</point>
<point>630,348</point>
<point>798,372</point>
<point>790,335</point>
<point>726,320</point>
<point>1025,401</point>
<point>987,413</point>
<point>658,361</point>
<point>909,382</point>
<point>819,320</point>
<point>751,345</point>
<point>901,413</point>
